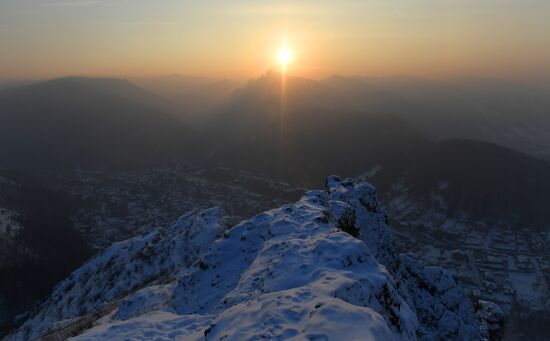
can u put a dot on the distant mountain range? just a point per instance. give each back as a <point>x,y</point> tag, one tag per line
<point>339,125</point>
<point>191,99</point>
<point>320,131</point>
<point>511,114</point>
<point>68,123</point>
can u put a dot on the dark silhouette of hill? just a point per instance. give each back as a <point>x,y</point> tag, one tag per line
<point>512,114</point>
<point>487,180</point>
<point>315,134</point>
<point>311,138</point>
<point>191,99</point>
<point>7,84</point>
<point>90,123</point>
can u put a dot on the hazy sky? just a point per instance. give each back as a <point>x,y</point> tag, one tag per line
<point>428,38</point>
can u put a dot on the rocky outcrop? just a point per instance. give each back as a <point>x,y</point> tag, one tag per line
<point>323,268</point>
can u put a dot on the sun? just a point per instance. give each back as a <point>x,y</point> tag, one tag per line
<point>285,56</point>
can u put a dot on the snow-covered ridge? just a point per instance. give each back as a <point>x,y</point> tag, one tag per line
<point>323,268</point>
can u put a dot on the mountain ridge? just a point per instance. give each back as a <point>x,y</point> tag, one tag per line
<point>309,138</point>
<point>76,122</point>
<point>322,268</point>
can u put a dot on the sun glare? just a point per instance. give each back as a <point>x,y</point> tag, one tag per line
<point>284,56</point>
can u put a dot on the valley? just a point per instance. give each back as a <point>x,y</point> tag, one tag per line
<point>118,205</point>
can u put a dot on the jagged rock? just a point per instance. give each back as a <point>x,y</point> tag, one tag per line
<point>493,321</point>
<point>323,268</point>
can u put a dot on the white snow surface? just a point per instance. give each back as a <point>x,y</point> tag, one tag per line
<point>323,268</point>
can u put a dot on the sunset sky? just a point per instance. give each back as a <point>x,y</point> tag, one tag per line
<point>240,39</point>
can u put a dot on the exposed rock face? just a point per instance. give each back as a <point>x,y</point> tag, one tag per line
<point>493,321</point>
<point>441,306</point>
<point>323,268</point>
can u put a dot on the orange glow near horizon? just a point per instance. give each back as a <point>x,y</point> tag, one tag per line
<point>235,40</point>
